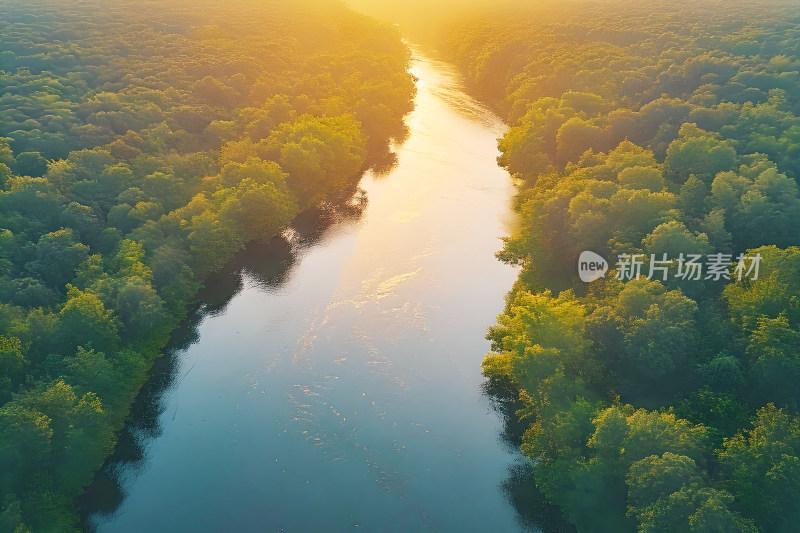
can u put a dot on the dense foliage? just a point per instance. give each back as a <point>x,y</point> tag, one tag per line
<point>141,145</point>
<point>653,405</point>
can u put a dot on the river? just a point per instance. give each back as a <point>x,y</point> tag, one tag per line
<point>335,384</point>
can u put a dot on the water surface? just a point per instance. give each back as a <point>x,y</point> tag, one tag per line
<point>337,383</point>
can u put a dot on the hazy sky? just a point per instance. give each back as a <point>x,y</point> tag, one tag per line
<point>428,16</point>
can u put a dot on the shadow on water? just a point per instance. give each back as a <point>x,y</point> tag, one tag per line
<point>270,265</point>
<point>534,512</point>
<point>267,264</point>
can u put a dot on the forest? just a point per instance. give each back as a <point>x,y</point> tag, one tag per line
<point>667,403</point>
<point>142,144</point>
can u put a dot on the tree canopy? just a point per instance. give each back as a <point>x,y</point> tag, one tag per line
<point>651,130</point>
<point>142,144</point>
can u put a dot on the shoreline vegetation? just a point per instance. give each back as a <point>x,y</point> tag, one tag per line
<point>643,127</point>
<point>142,144</point>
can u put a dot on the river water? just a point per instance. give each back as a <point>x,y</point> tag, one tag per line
<point>335,384</point>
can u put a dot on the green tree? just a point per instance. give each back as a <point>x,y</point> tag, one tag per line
<point>85,321</point>
<point>698,152</point>
<point>25,436</point>
<point>320,155</point>
<point>762,469</point>
<point>58,254</point>
<point>12,359</point>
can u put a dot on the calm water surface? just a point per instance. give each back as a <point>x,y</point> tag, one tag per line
<point>337,384</point>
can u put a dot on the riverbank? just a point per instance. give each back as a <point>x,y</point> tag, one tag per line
<point>345,381</point>
<point>142,146</point>
<point>639,160</point>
